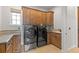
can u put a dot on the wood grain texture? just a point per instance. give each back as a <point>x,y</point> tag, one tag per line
<point>50,18</point>
<point>16,43</point>
<point>12,46</point>
<point>37,17</point>
<point>26,15</point>
<point>49,37</point>
<point>2,47</point>
<point>56,39</point>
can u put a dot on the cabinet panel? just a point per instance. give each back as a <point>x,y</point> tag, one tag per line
<point>36,16</point>
<point>16,43</point>
<point>26,15</point>
<point>44,18</point>
<point>39,17</point>
<point>13,45</point>
<point>56,39</point>
<point>2,48</point>
<point>50,18</point>
<point>33,16</point>
<point>49,35</point>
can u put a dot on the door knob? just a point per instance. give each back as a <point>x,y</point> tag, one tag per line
<point>69,28</point>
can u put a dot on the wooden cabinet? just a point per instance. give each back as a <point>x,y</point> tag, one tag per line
<point>12,46</point>
<point>55,39</point>
<point>6,47</point>
<point>33,16</point>
<point>26,15</point>
<point>40,16</point>
<point>44,19</point>
<point>16,43</point>
<point>49,37</point>
<point>50,18</point>
<point>2,47</point>
<point>37,17</point>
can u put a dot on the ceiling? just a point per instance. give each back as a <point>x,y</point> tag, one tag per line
<point>43,7</point>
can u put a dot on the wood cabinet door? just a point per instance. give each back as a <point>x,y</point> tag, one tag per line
<point>50,18</point>
<point>56,39</point>
<point>39,17</point>
<point>49,38</point>
<point>33,16</point>
<point>16,43</point>
<point>44,18</point>
<point>36,16</point>
<point>26,15</point>
<point>18,38</point>
<point>2,47</point>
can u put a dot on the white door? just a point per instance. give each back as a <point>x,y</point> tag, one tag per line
<point>71,27</point>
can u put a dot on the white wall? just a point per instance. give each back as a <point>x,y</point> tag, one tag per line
<point>6,17</point>
<point>64,18</point>
<point>58,17</point>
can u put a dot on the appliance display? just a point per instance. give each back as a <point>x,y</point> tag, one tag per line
<point>35,36</point>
